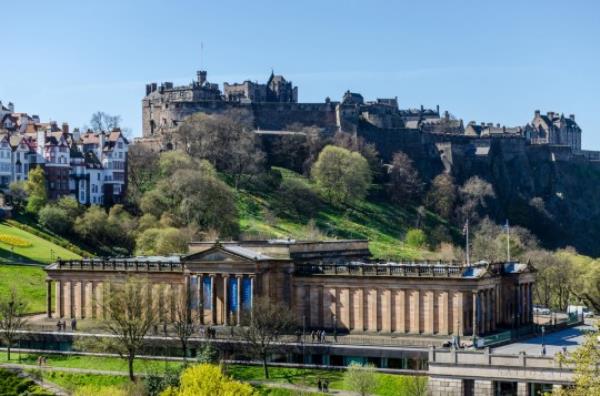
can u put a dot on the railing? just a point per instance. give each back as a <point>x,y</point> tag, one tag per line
<point>423,269</point>
<point>119,265</point>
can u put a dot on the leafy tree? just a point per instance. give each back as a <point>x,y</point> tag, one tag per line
<point>361,379</point>
<point>70,205</point>
<point>552,281</point>
<point>36,190</point>
<point>342,175</point>
<point>55,218</point>
<point>269,320</point>
<point>208,354</point>
<point>18,193</point>
<point>416,385</point>
<point>142,171</point>
<point>128,318</point>
<point>358,144</point>
<point>92,225</point>
<point>171,240</point>
<point>585,361</point>
<point>405,183</point>
<point>208,380</point>
<point>12,317</point>
<point>584,279</point>
<point>442,195</point>
<point>415,238</point>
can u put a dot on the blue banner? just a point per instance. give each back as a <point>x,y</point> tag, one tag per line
<point>246,293</point>
<point>206,293</point>
<point>232,294</point>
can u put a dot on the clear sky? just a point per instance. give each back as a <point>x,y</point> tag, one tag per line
<point>493,61</point>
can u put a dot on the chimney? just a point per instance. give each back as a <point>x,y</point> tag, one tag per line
<point>437,107</point>
<point>11,107</point>
<point>572,117</point>
<point>446,115</point>
<point>201,74</point>
<point>41,142</point>
<point>551,115</point>
<point>148,89</point>
<point>154,86</point>
<point>537,113</point>
<point>65,127</point>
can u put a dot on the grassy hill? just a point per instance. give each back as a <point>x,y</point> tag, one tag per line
<point>29,281</point>
<point>382,223</point>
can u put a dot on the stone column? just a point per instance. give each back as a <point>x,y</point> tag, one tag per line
<point>213,301</point>
<point>415,314</point>
<point>359,309</point>
<point>484,388</point>
<point>475,327</point>
<point>59,298</point>
<point>522,389</point>
<point>372,310</point>
<point>238,316</point>
<point>251,293</point>
<point>49,298</point>
<point>200,297</point>
<point>445,313</point>
<point>428,307</point>
<point>187,289</point>
<point>399,311</point>
<point>226,300</point>
<point>386,311</point>
<point>344,308</point>
<point>458,325</point>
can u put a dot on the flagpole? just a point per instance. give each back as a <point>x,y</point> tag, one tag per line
<point>467,247</point>
<point>508,240</point>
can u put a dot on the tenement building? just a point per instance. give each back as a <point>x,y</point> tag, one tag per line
<point>330,284</point>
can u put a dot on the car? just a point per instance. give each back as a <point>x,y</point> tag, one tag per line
<point>580,310</point>
<point>541,310</point>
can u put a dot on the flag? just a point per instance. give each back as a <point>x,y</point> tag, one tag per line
<point>506,226</point>
<point>466,228</point>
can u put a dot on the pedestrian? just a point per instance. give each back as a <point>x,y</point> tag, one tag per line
<point>312,336</point>
<point>39,361</point>
<point>320,385</point>
<point>165,328</point>
<point>73,324</point>
<point>326,386</point>
<point>155,329</point>
<point>58,325</point>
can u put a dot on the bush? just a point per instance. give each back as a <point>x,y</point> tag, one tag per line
<point>415,238</point>
<point>295,199</point>
<point>56,219</point>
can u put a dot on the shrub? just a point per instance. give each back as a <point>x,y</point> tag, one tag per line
<point>415,238</point>
<point>295,199</point>
<point>55,218</point>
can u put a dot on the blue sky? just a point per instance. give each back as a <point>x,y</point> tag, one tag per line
<point>485,61</point>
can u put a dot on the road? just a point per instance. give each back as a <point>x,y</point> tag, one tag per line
<point>555,342</point>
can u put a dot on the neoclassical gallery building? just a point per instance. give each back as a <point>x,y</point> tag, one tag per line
<point>326,284</point>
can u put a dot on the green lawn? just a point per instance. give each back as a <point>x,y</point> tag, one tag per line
<point>382,223</point>
<point>12,384</point>
<point>388,384</point>
<point>41,250</point>
<point>29,281</point>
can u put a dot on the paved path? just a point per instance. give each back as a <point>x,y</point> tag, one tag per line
<point>570,338</point>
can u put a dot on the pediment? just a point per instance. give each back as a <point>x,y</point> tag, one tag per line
<point>215,255</point>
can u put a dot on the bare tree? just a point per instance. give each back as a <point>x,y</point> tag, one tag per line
<point>102,121</point>
<point>128,317</point>
<point>405,183</point>
<point>269,320</point>
<point>12,311</point>
<point>183,323</point>
<point>361,379</point>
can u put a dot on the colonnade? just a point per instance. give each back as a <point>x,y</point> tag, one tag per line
<point>213,299</point>
<point>384,310</point>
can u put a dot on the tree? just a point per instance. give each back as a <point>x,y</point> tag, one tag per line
<point>474,194</point>
<point>553,279</point>
<point>208,380</point>
<point>361,379</point>
<point>128,318</point>
<point>226,140</point>
<point>18,193</point>
<point>269,320</point>
<point>415,238</point>
<point>55,218</point>
<point>405,183</point>
<point>142,171</point>
<point>442,195</point>
<point>342,175</point>
<point>12,317</point>
<point>584,279</point>
<point>183,323</point>
<point>585,361</point>
<point>36,190</point>
<point>416,385</point>
<point>102,122</point>
<point>296,199</point>
<point>357,143</point>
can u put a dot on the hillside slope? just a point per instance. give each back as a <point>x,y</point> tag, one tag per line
<point>382,223</point>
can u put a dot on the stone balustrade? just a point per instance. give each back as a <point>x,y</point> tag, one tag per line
<point>118,265</point>
<point>422,269</point>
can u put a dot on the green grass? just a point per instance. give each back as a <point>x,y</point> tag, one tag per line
<point>74,381</point>
<point>29,281</point>
<point>41,251</point>
<point>382,223</point>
